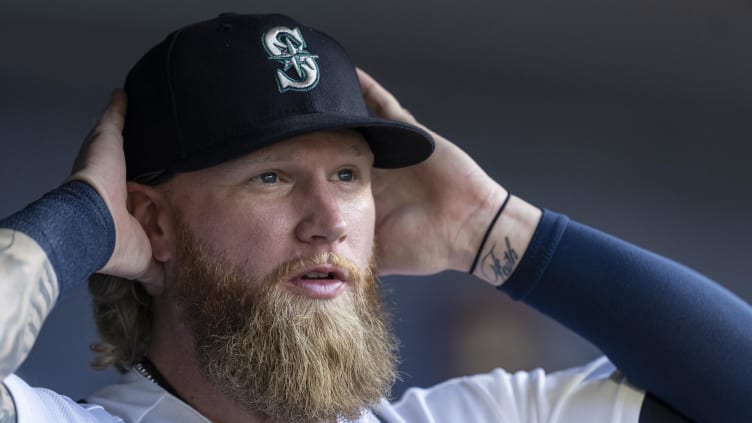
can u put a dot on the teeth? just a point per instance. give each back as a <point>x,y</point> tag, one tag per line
<point>317,275</point>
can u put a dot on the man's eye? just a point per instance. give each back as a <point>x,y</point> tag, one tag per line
<point>268,177</point>
<point>346,175</point>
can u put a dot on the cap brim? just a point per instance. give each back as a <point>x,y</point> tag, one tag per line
<point>394,144</point>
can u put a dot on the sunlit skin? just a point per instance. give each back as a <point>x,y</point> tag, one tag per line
<point>310,205</point>
<point>301,197</point>
<point>305,196</point>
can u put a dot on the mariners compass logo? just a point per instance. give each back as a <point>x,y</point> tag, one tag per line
<point>300,72</point>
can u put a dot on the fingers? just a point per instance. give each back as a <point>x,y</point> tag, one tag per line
<point>113,117</point>
<point>114,113</point>
<point>107,131</point>
<point>381,101</point>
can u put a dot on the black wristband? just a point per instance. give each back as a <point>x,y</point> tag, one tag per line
<point>488,232</point>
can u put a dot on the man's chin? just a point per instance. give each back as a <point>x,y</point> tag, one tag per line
<point>306,360</point>
<point>280,350</point>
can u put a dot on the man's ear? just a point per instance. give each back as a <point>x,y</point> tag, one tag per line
<point>152,210</point>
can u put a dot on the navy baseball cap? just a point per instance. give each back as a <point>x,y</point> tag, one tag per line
<point>215,90</point>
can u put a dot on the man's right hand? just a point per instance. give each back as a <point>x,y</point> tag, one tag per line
<point>101,164</point>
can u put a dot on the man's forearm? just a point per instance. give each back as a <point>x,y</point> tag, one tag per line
<point>48,248</point>
<point>670,330</point>
<point>7,408</point>
<point>507,241</point>
<point>28,290</point>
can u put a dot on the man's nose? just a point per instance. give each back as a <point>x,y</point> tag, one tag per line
<point>322,221</point>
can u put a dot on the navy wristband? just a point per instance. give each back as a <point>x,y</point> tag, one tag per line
<point>73,226</point>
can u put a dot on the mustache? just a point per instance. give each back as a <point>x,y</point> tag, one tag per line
<point>290,268</point>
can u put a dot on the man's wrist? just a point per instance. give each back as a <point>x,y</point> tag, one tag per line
<point>73,226</point>
<point>488,232</point>
<point>507,241</point>
<point>466,244</point>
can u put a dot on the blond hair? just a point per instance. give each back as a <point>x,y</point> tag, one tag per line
<point>122,311</point>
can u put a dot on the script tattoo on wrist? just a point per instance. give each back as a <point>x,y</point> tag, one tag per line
<point>499,269</point>
<point>7,407</point>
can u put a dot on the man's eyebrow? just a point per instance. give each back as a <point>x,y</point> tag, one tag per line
<point>267,158</point>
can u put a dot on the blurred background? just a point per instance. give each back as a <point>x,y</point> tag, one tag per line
<point>631,116</point>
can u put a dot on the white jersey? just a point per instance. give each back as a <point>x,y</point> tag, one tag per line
<point>594,393</point>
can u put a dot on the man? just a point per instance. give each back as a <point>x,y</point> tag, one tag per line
<point>261,203</point>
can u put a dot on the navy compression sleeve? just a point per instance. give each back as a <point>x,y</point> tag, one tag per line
<point>670,330</point>
<point>73,226</point>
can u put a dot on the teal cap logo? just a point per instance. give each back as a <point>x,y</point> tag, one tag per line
<point>299,72</point>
